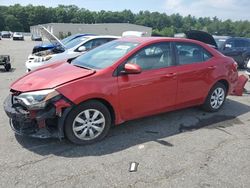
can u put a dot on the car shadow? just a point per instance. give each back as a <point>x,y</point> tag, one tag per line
<point>4,71</point>
<point>155,128</point>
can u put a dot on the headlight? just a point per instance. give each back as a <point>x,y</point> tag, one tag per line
<point>40,59</point>
<point>37,99</point>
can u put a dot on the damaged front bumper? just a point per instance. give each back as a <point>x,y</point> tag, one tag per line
<point>43,123</point>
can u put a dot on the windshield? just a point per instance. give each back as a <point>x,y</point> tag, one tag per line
<point>220,42</point>
<point>67,39</point>
<point>75,42</point>
<point>105,55</point>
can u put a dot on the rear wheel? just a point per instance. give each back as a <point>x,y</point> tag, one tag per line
<point>7,66</point>
<point>216,98</point>
<point>88,123</point>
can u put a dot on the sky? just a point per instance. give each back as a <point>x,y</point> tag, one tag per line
<point>223,9</point>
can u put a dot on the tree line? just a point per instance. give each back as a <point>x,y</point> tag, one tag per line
<point>20,18</point>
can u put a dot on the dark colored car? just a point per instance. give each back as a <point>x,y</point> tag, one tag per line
<point>238,48</point>
<point>119,81</point>
<point>5,61</point>
<point>6,34</point>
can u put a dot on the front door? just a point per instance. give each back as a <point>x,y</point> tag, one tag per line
<point>154,89</point>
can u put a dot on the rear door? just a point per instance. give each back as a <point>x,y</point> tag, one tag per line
<point>154,89</point>
<point>195,70</point>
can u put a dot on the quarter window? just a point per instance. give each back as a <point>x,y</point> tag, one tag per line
<point>153,57</point>
<point>189,53</point>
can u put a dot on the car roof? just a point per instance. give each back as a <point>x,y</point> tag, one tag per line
<point>157,39</point>
<point>101,36</point>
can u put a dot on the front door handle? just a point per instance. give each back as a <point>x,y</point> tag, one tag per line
<point>170,75</point>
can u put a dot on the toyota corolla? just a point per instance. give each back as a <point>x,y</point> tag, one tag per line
<point>122,80</point>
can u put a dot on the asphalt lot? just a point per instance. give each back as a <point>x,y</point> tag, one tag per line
<point>186,148</point>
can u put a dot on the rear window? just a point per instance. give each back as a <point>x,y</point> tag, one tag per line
<point>189,53</point>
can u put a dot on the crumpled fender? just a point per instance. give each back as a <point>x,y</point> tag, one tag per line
<point>239,88</point>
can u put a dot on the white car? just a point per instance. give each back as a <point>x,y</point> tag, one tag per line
<point>18,36</point>
<point>62,52</point>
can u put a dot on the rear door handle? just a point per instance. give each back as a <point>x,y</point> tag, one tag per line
<point>211,67</point>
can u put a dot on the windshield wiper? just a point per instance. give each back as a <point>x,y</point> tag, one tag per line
<point>82,67</point>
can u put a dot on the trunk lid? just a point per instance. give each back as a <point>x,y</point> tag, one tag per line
<point>201,36</point>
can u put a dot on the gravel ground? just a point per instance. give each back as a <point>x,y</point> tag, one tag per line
<point>186,148</point>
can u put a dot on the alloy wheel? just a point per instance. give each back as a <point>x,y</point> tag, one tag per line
<point>88,124</point>
<point>217,98</point>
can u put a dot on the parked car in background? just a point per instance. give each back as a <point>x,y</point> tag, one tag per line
<point>18,36</point>
<point>238,48</point>
<point>6,34</point>
<point>36,37</point>
<point>53,43</point>
<point>5,61</point>
<point>134,34</point>
<point>220,40</point>
<point>119,81</point>
<point>70,50</point>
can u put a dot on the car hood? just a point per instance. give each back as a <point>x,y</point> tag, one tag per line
<point>50,76</point>
<point>52,38</point>
<point>201,36</point>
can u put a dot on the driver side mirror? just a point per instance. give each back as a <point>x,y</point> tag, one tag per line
<point>82,49</point>
<point>131,68</point>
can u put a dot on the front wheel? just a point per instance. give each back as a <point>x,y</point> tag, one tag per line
<point>216,98</point>
<point>87,123</point>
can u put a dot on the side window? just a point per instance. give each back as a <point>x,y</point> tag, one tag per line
<point>153,57</point>
<point>88,45</point>
<point>241,43</point>
<point>98,42</point>
<point>95,43</point>
<point>189,53</point>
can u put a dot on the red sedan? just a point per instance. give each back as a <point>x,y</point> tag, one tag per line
<point>122,80</point>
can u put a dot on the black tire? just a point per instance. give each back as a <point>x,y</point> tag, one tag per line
<point>7,67</point>
<point>207,106</point>
<point>76,112</point>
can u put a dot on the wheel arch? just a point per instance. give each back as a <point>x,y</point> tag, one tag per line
<point>224,82</point>
<point>107,104</point>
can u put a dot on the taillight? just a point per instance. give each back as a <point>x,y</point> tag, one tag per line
<point>235,65</point>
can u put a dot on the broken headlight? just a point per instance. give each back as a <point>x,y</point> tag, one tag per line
<point>37,99</point>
